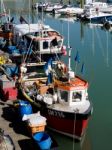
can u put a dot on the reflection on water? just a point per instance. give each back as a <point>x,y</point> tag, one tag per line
<point>94,45</point>
<point>66,143</point>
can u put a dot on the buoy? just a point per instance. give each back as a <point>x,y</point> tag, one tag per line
<point>64,50</point>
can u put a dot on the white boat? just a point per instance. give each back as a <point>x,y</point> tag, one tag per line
<point>43,40</point>
<point>53,7</point>
<point>94,15</point>
<point>70,10</point>
<point>99,6</point>
<point>41,6</point>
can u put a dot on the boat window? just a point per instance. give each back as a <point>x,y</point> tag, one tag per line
<point>76,96</point>
<point>54,42</point>
<point>36,34</point>
<point>59,43</point>
<point>45,34</point>
<point>37,71</point>
<point>45,45</point>
<point>35,45</point>
<point>64,95</point>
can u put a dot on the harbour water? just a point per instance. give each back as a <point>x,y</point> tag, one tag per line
<point>94,45</point>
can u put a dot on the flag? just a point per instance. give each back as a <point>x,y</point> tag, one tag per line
<point>22,20</point>
<point>83,68</point>
<point>49,79</point>
<point>48,66</point>
<point>77,57</point>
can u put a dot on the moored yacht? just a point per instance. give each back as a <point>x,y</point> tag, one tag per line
<point>69,10</point>
<point>53,7</point>
<point>94,15</point>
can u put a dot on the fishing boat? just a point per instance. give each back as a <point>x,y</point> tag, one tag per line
<point>69,10</point>
<point>44,41</point>
<point>6,23</point>
<point>60,95</point>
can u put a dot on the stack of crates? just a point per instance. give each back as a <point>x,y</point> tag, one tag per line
<point>35,123</point>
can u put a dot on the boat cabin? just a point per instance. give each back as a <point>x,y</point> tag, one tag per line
<point>88,11</point>
<point>95,7</point>
<point>72,93</point>
<point>41,38</point>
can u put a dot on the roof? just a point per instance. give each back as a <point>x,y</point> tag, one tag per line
<point>26,28</point>
<point>75,84</point>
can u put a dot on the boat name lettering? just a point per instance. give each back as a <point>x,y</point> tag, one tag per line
<point>56,113</point>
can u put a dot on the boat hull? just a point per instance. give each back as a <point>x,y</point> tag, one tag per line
<point>70,124</point>
<point>97,19</point>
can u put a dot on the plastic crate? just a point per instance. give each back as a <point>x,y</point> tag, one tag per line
<point>35,129</point>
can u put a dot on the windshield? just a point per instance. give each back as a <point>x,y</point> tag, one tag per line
<point>76,96</point>
<point>64,95</point>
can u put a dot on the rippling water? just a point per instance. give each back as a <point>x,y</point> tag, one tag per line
<point>95,48</point>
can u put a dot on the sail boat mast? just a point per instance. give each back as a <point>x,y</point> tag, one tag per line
<point>3,10</point>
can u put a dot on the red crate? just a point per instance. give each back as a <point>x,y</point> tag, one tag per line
<point>9,93</point>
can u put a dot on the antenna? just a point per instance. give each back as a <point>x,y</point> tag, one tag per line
<point>69,63</point>
<point>68,36</point>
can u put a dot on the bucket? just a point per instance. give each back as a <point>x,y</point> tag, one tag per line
<point>43,140</point>
<point>25,108</point>
<point>38,136</point>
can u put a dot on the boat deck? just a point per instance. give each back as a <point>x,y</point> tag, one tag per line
<point>64,107</point>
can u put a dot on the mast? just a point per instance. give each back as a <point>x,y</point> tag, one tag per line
<point>3,10</point>
<point>29,16</point>
<point>69,64</point>
<point>69,55</point>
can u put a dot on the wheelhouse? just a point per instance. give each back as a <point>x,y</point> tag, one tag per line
<point>42,39</point>
<point>73,93</point>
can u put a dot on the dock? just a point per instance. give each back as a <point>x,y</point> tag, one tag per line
<point>11,124</point>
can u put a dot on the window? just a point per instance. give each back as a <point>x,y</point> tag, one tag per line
<point>64,95</point>
<point>45,45</point>
<point>76,96</point>
<point>59,43</point>
<point>35,45</point>
<point>54,42</point>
